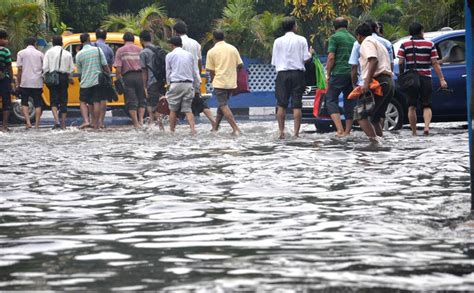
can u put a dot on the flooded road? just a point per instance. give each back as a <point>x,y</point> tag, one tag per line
<point>127,210</point>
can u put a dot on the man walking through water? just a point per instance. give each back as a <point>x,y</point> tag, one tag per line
<point>6,79</point>
<point>182,79</point>
<point>101,36</point>
<point>420,54</point>
<point>375,65</point>
<point>90,63</point>
<point>154,79</point>
<point>290,53</point>
<point>59,60</point>
<point>192,46</point>
<point>30,80</point>
<point>129,67</point>
<point>222,61</point>
<point>339,75</point>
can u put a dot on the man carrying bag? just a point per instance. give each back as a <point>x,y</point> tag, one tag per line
<point>417,56</point>
<point>58,67</point>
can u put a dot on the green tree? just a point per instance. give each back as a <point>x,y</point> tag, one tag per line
<point>316,16</point>
<point>82,15</point>
<point>151,18</point>
<point>397,15</point>
<point>24,18</point>
<point>253,34</point>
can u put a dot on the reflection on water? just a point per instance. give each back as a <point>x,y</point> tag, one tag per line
<point>133,210</point>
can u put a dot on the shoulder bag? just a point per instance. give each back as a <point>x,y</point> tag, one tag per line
<point>52,78</point>
<point>365,106</point>
<point>409,80</point>
<point>104,78</point>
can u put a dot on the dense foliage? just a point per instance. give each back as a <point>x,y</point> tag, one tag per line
<point>252,25</point>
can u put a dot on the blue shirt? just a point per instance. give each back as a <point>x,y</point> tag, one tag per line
<point>355,54</point>
<point>108,52</point>
<point>180,67</point>
<point>386,43</point>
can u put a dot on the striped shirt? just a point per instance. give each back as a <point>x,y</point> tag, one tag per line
<point>424,50</point>
<point>5,60</point>
<point>128,58</point>
<point>89,66</point>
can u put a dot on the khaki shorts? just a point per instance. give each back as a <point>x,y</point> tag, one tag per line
<point>180,96</point>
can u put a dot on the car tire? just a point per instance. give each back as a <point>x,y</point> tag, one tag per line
<point>394,116</point>
<point>17,113</point>
<point>324,126</point>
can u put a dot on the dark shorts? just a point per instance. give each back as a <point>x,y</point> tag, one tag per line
<point>337,84</point>
<point>35,94</point>
<point>424,93</point>
<point>155,92</point>
<point>223,96</point>
<point>5,91</point>
<point>381,103</point>
<point>199,105</point>
<point>134,91</point>
<point>58,94</point>
<point>290,84</point>
<point>91,95</point>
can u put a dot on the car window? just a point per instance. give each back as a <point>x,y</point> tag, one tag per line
<point>115,46</point>
<point>452,51</point>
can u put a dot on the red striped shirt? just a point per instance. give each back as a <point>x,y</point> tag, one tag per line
<point>424,50</point>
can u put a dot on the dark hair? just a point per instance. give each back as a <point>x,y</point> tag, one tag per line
<point>373,25</point>
<point>145,36</point>
<point>85,38</point>
<point>57,41</point>
<point>340,22</point>
<point>380,25</point>
<point>364,30</point>
<point>3,34</point>
<point>288,24</point>
<point>176,41</point>
<point>415,29</point>
<point>101,34</point>
<point>128,37</point>
<point>180,27</point>
<point>31,41</point>
<point>218,35</point>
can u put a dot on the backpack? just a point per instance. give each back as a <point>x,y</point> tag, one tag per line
<point>158,64</point>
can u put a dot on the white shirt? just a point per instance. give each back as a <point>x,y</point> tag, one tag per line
<point>193,47</point>
<point>290,52</point>
<point>180,67</point>
<point>31,62</point>
<point>51,60</point>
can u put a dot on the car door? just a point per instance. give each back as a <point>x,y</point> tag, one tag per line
<point>451,105</point>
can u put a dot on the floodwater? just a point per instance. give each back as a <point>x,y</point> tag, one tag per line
<point>126,210</point>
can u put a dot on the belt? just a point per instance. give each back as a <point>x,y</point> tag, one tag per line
<point>132,71</point>
<point>182,81</point>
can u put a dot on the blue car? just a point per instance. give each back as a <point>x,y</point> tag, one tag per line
<point>448,105</point>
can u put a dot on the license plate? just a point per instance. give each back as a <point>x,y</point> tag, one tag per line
<point>308,103</point>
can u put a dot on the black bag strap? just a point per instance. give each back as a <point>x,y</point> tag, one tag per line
<point>414,53</point>
<point>100,60</point>
<point>60,58</point>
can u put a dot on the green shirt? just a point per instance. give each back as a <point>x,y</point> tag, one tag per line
<point>341,44</point>
<point>89,66</point>
<point>5,60</point>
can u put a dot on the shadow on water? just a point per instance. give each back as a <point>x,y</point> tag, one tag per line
<point>127,210</point>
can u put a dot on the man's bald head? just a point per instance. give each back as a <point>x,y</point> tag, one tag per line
<point>340,22</point>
